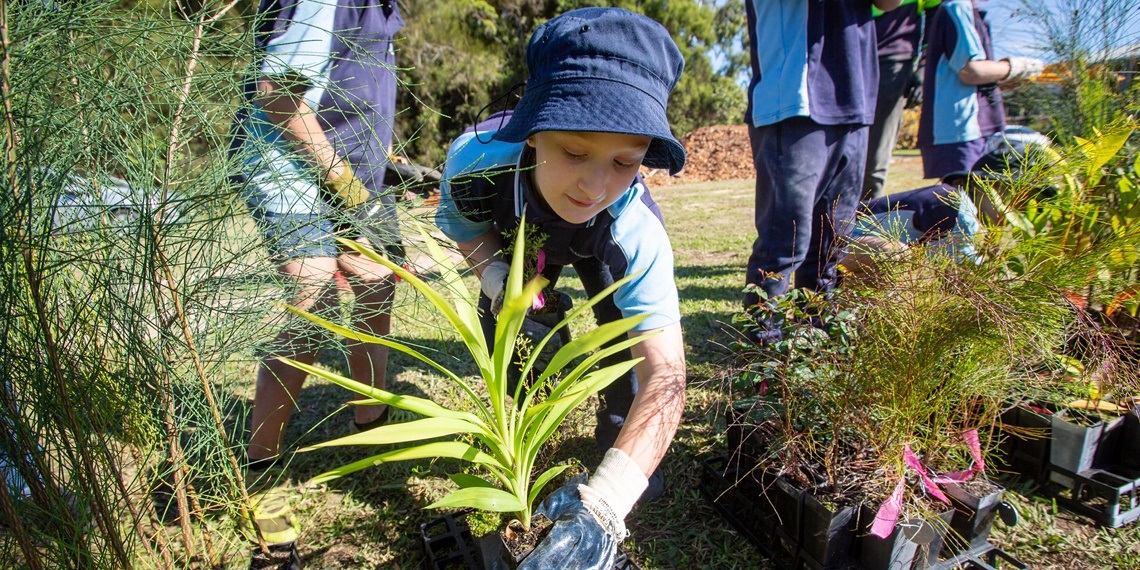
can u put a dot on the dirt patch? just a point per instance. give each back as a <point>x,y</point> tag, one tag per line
<point>720,152</point>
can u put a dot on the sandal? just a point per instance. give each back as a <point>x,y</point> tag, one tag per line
<point>383,419</point>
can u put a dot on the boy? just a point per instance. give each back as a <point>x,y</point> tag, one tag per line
<point>592,114</point>
<point>312,148</point>
<point>812,96</point>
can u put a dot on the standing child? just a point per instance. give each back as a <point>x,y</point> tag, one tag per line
<point>961,101</point>
<point>815,77</point>
<point>313,150</point>
<point>568,158</point>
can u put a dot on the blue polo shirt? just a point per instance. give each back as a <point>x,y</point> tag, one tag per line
<point>795,73</point>
<point>344,52</point>
<point>487,186</point>
<point>953,111</point>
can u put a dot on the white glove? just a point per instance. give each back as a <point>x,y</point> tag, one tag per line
<point>493,282</point>
<point>1024,67</point>
<point>614,487</point>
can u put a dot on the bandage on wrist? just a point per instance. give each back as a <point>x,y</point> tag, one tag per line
<point>618,482</point>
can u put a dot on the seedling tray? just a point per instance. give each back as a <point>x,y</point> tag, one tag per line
<point>737,498</point>
<point>980,557</point>
<point>1109,496</point>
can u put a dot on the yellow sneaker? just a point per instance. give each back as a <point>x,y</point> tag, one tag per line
<point>273,516</point>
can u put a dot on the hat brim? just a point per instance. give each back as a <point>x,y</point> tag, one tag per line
<point>596,105</point>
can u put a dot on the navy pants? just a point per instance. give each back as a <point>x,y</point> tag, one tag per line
<point>617,398</point>
<point>808,180</point>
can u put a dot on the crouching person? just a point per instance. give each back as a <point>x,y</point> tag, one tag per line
<point>947,216</point>
<point>568,158</point>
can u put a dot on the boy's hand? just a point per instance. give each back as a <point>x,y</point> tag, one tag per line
<point>493,282</point>
<point>1024,67</point>
<point>589,520</point>
<point>344,189</point>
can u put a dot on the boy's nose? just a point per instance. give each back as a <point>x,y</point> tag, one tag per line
<point>593,185</point>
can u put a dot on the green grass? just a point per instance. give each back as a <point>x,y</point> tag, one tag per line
<point>371,519</point>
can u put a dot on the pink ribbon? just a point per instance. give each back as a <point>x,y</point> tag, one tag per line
<point>888,514</point>
<point>540,264</point>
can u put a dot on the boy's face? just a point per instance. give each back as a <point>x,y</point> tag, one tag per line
<point>580,174</point>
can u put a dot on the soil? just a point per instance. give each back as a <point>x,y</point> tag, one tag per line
<point>520,542</point>
<point>720,152</point>
<point>979,487</point>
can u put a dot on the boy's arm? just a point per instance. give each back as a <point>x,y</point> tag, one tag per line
<point>286,108</point>
<point>887,5</point>
<point>983,71</point>
<point>656,410</point>
<point>481,251</point>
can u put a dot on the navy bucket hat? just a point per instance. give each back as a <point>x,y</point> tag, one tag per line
<point>601,70</point>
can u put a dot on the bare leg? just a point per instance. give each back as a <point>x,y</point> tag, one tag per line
<point>374,287</point>
<point>279,384</point>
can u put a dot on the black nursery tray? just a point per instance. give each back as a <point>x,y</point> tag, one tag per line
<point>982,557</point>
<point>1110,496</point>
<point>448,545</point>
<point>1109,491</point>
<point>737,498</point>
<point>737,495</point>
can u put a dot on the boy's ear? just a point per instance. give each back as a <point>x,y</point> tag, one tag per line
<point>530,141</point>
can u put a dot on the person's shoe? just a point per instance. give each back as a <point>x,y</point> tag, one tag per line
<point>274,518</point>
<point>358,427</point>
<point>656,487</point>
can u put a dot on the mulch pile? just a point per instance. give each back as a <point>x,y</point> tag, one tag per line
<point>720,152</point>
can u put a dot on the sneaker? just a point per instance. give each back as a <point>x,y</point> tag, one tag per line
<point>274,518</point>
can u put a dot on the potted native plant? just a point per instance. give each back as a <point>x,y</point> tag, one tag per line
<point>501,432</point>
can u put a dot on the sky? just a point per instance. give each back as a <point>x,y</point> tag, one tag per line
<point>1013,34</point>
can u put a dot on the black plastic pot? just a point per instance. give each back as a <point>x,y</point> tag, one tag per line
<point>1128,448</point>
<point>746,443</point>
<point>914,544</point>
<point>973,517</point>
<point>1025,444</point>
<point>827,537</point>
<point>786,503</point>
<point>1074,445</point>
<point>448,545</point>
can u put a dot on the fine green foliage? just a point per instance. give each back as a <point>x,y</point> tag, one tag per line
<point>507,439</point>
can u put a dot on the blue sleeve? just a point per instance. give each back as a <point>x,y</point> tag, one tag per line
<point>645,250</point>
<point>969,45</point>
<point>467,159</point>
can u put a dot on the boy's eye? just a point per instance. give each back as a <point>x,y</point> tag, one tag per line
<point>621,164</point>
<point>573,155</point>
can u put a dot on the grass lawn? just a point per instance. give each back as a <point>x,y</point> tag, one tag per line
<point>371,519</point>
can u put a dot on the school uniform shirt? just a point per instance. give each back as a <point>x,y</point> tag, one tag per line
<point>953,111</point>
<point>344,52</point>
<point>487,186</point>
<point>795,73</point>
